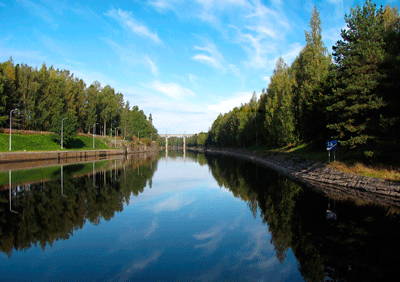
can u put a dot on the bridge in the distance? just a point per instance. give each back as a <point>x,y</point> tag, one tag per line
<point>184,136</point>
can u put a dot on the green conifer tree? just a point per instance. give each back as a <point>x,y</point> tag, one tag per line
<point>357,99</point>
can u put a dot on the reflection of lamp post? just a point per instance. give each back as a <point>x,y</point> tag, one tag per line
<point>62,182</point>
<point>62,121</point>
<point>115,141</point>
<point>10,126</point>
<point>94,176</point>
<point>9,183</point>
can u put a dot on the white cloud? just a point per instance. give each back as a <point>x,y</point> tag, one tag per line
<point>263,30</point>
<point>267,79</point>
<point>128,22</point>
<point>293,52</point>
<point>214,57</point>
<point>153,67</point>
<point>173,90</point>
<point>160,5</point>
<point>227,105</point>
<point>192,78</point>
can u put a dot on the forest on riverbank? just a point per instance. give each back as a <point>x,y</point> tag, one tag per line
<point>349,95</point>
<point>39,99</point>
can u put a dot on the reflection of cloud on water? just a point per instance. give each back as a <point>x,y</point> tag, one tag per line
<point>193,214</point>
<point>138,264</point>
<point>259,237</point>
<point>210,233</point>
<point>173,203</point>
<point>215,234</point>
<point>153,227</point>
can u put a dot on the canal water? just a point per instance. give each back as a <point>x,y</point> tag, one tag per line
<point>187,217</point>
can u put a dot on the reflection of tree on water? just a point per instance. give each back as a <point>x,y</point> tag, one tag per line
<point>45,215</point>
<point>270,192</point>
<point>360,246</point>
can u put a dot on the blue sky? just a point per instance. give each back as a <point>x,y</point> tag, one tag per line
<point>182,61</point>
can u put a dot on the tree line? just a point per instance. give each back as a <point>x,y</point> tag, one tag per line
<point>349,95</point>
<point>45,96</point>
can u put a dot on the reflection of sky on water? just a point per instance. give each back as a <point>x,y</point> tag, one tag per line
<point>184,228</point>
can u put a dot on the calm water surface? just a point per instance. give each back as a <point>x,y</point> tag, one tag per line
<point>186,218</point>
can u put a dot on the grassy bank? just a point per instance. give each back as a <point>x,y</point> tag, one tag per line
<point>38,142</point>
<point>345,161</point>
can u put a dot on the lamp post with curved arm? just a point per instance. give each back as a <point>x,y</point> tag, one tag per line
<point>10,126</point>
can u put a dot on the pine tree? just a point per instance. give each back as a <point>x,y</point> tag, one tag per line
<point>390,120</point>
<point>310,69</point>
<point>357,99</point>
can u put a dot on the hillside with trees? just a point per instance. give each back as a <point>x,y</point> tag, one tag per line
<point>351,95</point>
<point>45,96</point>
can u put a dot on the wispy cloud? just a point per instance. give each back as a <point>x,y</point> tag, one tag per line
<point>50,44</point>
<point>129,57</point>
<point>172,90</point>
<point>40,11</point>
<point>152,65</point>
<point>192,78</point>
<point>33,57</point>
<point>126,20</point>
<point>227,105</point>
<point>292,53</point>
<point>213,56</point>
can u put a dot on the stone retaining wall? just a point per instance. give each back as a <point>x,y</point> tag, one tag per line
<point>322,178</point>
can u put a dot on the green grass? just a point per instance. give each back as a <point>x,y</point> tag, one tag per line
<point>301,150</point>
<point>346,161</point>
<point>39,142</point>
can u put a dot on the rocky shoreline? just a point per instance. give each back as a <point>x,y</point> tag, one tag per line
<point>321,178</point>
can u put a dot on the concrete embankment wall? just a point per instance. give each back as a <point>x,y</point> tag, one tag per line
<point>50,155</point>
<point>322,178</point>
<point>14,160</point>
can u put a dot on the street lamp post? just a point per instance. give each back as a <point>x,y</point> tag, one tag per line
<point>94,128</point>
<point>10,126</point>
<point>62,121</point>
<point>115,141</point>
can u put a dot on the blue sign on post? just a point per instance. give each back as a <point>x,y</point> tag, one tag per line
<point>331,145</point>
